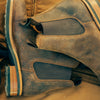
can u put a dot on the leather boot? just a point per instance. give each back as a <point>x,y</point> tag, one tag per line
<point>34,7</point>
<point>32,71</point>
<point>77,22</point>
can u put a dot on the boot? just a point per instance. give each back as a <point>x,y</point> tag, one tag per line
<point>77,22</point>
<point>26,66</point>
<point>34,7</point>
<point>32,71</point>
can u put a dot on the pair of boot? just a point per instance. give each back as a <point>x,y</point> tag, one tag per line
<point>45,51</point>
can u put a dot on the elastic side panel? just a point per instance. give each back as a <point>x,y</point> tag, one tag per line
<point>68,26</point>
<point>11,81</point>
<point>51,71</point>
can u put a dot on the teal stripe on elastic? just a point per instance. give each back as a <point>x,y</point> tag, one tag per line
<point>8,40</point>
<point>98,2</point>
<point>93,11</point>
<point>7,80</point>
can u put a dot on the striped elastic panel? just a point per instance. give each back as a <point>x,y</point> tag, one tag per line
<point>94,8</point>
<point>11,81</point>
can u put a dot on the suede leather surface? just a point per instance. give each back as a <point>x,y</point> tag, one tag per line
<point>83,47</point>
<point>86,91</point>
<point>28,55</point>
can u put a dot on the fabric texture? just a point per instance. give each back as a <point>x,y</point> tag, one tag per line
<point>35,7</point>
<point>23,55</point>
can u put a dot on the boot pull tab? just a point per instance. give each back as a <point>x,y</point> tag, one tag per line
<point>35,28</point>
<point>33,24</point>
